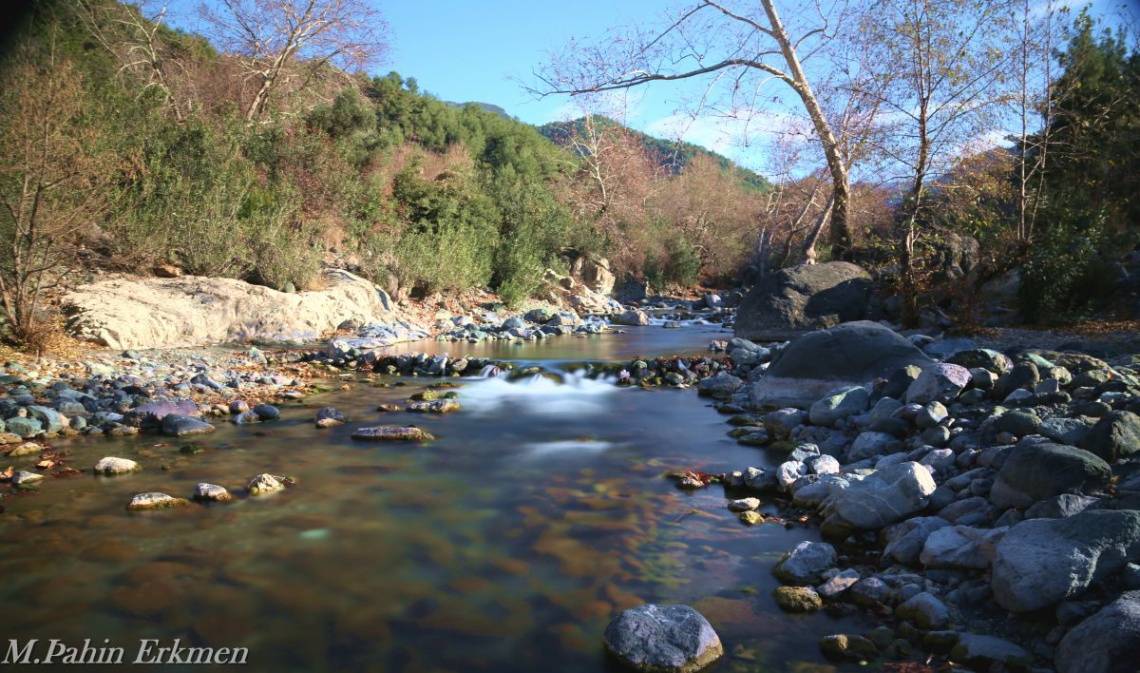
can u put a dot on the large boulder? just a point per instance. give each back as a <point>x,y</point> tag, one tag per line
<point>816,363</point>
<point>663,639</point>
<point>1043,561</point>
<point>1036,470</point>
<point>806,563</point>
<point>594,273</point>
<point>1107,642</point>
<point>887,496</point>
<point>1115,436</point>
<point>804,298</point>
<point>125,312</point>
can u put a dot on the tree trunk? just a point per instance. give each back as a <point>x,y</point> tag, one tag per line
<point>813,236</point>
<point>840,225</point>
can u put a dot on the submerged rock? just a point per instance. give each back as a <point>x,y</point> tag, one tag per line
<point>663,639</point>
<point>391,433</point>
<point>328,417</point>
<point>149,501</point>
<point>798,599</point>
<point>434,407</point>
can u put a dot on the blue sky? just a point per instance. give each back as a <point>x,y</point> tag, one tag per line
<point>462,50</point>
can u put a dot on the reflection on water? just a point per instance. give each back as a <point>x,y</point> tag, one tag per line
<point>650,341</point>
<point>505,545</point>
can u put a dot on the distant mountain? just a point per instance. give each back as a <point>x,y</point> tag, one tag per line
<point>674,155</point>
<point>488,107</point>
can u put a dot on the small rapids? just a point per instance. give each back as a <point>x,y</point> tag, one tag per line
<point>574,396</point>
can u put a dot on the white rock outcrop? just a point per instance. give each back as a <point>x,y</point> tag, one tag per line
<point>125,312</point>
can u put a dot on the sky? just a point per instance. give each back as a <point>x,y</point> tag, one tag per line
<point>485,51</point>
<point>461,51</point>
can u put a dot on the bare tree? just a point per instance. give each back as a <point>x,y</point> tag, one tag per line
<point>714,40</point>
<point>946,57</point>
<point>52,181</point>
<point>272,35</point>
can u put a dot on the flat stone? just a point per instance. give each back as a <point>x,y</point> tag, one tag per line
<point>982,652</point>
<point>149,501</point>
<point>22,477</point>
<point>887,496</point>
<point>925,611</point>
<point>391,433</point>
<point>744,505</point>
<point>175,425</point>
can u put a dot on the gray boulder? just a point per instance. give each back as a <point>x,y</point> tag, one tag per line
<point>1115,436</point>
<point>663,638</point>
<point>150,415</point>
<point>803,298</point>
<point>924,611</point>
<point>1107,642</point>
<point>852,354</point>
<point>1043,561</point>
<point>982,652</point>
<point>872,444</point>
<point>1039,470</point>
<point>887,496</point>
<point>632,317</point>
<point>721,383</point>
<point>805,563</point>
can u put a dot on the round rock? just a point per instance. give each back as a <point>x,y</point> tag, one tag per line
<point>111,465</point>
<point>663,638</point>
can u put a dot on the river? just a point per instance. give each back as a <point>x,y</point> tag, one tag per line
<point>505,545</point>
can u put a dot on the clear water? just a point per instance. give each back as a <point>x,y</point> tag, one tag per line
<point>507,544</point>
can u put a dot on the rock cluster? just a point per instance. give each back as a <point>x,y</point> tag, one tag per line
<point>988,483</point>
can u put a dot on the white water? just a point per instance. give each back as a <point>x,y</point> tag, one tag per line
<point>566,447</point>
<point>574,397</point>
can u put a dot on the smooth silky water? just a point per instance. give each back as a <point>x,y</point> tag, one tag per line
<point>507,544</point>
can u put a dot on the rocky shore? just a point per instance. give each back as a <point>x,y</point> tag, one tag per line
<point>984,506</point>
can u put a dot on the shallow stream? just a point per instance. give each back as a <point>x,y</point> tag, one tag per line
<point>505,545</point>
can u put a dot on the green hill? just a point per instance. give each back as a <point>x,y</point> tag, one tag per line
<point>671,154</point>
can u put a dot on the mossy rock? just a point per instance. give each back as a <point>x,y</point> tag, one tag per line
<point>798,599</point>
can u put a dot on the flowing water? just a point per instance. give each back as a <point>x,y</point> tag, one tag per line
<point>507,544</point>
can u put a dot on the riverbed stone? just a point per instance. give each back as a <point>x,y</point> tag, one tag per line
<point>798,599</point>
<point>1061,506</point>
<point>1070,431</point>
<point>1114,436</point>
<point>961,547</point>
<point>719,384</point>
<point>1107,642</point>
<point>871,445</point>
<point>445,406</point>
<point>887,496</point>
<point>264,484</point>
<point>329,417</point>
<point>176,425</point>
<point>848,646</point>
<point>788,473</point>
<point>838,583</point>
<point>391,433</point>
<point>24,477</point>
<point>212,493</point>
<point>805,563</point>
<point>744,505</point>
<point>24,427</point>
<point>942,382</point>
<point>153,500</point>
<point>112,466</point>
<point>983,652</point>
<point>25,449</point>
<point>1043,561</point>
<point>1036,470</point>
<point>925,611</point>
<point>663,639</point>
<point>150,415</point>
<point>632,317</point>
<point>905,540</point>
